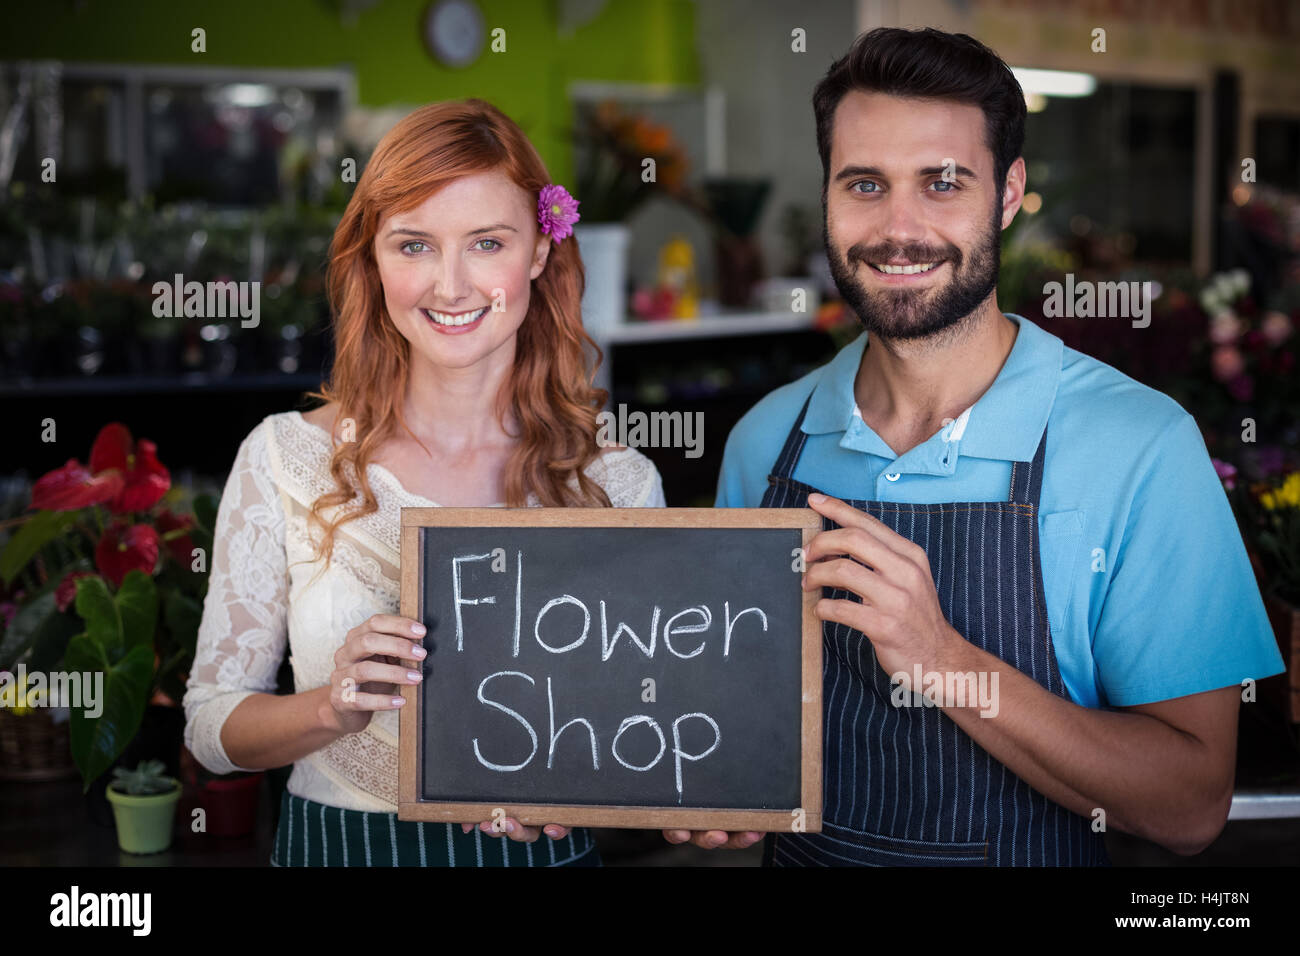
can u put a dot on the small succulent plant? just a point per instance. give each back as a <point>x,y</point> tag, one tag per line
<point>149,777</point>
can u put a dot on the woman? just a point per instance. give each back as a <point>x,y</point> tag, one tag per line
<point>460,379</point>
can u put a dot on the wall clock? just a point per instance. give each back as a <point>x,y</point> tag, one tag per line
<point>453,32</point>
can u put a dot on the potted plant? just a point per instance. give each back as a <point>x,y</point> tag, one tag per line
<point>144,806</point>
<point>612,183</point>
<point>113,582</point>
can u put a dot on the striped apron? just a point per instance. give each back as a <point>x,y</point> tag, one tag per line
<point>313,834</point>
<point>905,786</point>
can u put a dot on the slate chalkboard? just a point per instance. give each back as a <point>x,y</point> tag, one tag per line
<point>646,667</point>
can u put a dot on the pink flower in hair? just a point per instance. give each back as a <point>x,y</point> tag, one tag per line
<point>557,211</point>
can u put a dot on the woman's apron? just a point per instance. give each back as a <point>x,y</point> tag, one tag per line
<point>905,785</point>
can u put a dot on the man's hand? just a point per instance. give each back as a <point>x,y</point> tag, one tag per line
<point>900,611</point>
<point>1162,771</point>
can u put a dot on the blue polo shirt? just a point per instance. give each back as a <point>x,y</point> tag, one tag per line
<point>1150,594</point>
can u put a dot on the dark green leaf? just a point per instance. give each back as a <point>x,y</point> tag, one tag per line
<point>98,741</point>
<point>51,640</point>
<point>183,615</point>
<point>30,538</point>
<point>205,512</point>
<point>99,611</point>
<point>21,633</point>
<point>137,607</point>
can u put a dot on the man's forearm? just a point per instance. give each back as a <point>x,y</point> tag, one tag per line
<point>1150,778</point>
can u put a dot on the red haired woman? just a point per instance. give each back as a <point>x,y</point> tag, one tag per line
<point>461,378</point>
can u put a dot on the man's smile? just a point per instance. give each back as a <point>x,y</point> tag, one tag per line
<point>903,273</point>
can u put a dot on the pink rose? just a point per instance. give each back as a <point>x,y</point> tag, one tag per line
<point>1225,328</point>
<point>1226,363</point>
<point>1276,327</point>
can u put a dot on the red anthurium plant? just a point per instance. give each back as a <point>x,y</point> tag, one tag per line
<point>105,573</point>
<point>122,475</point>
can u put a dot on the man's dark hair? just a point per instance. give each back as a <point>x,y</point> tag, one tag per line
<point>927,63</point>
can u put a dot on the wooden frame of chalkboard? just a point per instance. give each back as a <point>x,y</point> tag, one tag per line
<point>805,816</point>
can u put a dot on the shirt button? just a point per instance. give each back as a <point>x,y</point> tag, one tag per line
<point>894,477</point>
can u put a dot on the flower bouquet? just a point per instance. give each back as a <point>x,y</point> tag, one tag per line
<point>612,178</point>
<point>1269,515</point>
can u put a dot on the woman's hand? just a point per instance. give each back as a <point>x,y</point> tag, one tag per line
<point>365,679</point>
<point>512,828</point>
<point>366,670</point>
<point>714,839</point>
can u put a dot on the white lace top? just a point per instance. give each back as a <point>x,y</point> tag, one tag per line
<point>258,598</point>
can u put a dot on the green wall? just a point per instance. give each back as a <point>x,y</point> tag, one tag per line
<point>629,41</point>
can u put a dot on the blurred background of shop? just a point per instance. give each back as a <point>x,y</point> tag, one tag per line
<point>1169,155</point>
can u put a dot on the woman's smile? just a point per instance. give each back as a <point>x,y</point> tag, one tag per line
<point>454,323</point>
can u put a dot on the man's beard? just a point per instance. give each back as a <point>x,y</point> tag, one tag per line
<point>918,313</point>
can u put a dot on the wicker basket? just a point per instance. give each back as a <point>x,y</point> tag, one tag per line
<point>34,747</point>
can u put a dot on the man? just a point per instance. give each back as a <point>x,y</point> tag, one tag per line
<point>999,509</point>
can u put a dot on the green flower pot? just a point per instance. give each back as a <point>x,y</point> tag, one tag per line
<point>144,821</point>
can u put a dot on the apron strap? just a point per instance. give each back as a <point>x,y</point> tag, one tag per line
<point>783,467</point>
<point>1027,476</point>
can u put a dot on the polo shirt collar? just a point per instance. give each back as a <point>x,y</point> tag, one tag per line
<point>1005,423</point>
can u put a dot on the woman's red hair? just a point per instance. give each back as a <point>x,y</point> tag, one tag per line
<point>550,394</point>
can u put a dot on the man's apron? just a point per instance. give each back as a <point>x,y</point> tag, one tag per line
<point>905,785</point>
